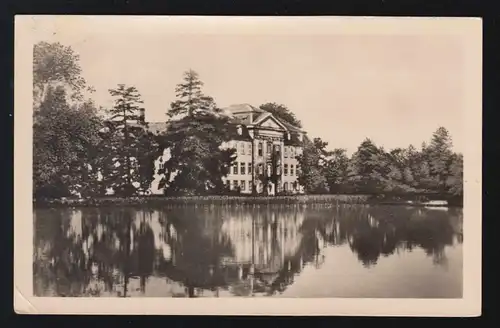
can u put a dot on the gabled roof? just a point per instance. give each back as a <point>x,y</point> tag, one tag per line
<point>290,126</point>
<point>241,114</point>
<point>243,108</point>
<point>266,117</point>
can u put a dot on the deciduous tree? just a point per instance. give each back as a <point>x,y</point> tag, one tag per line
<point>55,64</point>
<point>64,141</point>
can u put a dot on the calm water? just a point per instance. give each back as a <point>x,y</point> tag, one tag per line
<point>346,251</point>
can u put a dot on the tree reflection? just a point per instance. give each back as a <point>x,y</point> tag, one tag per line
<point>246,251</point>
<point>198,249</point>
<point>377,231</point>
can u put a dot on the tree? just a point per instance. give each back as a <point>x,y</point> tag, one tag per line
<point>368,167</point>
<point>198,163</point>
<point>312,166</point>
<point>455,181</point>
<point>282,112</point>
<point>64,141</point>
<point>55,64</point>
<point>194,137</point>
<point>190,98</point>
<point>128,151</point>
<point>440,154</point>
<point>336,170</point>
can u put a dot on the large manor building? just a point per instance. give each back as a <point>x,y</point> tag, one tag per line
<point>266,149</point>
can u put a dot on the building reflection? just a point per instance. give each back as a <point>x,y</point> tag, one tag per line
<point>217,252</point>
<point>264,243</point>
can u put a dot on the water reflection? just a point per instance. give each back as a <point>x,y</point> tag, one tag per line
<point>127,252</point>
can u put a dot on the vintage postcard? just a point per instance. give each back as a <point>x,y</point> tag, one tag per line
<point>248,165</point>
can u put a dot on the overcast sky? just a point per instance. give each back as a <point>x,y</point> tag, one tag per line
<point>394,89</point>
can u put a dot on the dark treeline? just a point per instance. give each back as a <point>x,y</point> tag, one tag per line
<point>84,150</point>
<point>432,169</point>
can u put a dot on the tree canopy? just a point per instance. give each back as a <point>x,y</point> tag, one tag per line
<point>56,64</point>
<point>64,141</point>
<point>282,112</point>
<point>197,164</point>
<point>190,98</point>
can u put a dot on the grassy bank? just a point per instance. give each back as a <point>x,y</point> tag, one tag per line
<point>239,201</point>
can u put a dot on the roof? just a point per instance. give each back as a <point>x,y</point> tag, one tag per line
<point>241,114</point>
<point>290,126</point>
<point>243,108</point>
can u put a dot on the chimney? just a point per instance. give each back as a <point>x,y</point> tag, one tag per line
<point>142,116</point>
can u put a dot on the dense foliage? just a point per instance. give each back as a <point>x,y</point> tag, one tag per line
<point>194,139</point>
<point>129,151</point>
<point>64,143</point>
<point>371,169</point>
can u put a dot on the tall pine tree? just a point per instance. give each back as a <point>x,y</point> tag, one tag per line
<point>194,137</point>
<point>190,98</point>
<point>129,147</point>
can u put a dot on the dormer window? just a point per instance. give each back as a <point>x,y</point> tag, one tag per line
<point>239,130</point>
<point>288,136</point>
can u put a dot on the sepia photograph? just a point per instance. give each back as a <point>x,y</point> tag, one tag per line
<point>320,165</point>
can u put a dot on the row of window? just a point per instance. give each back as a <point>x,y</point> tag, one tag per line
<point>246,168</point>
<point>243,185</point>
<point>246,148</point>
<point>242,168</point>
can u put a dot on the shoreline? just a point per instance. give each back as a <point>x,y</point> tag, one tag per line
<point>201,201</point>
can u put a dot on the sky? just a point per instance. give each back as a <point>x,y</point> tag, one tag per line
<point>395,89</point>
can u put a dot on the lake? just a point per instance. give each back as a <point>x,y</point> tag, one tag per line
<point>268,251</point>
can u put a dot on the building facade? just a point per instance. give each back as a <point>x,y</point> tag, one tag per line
<point>267,150</point>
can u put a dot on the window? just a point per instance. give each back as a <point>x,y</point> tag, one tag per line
<point>242,148</point>
<point>286,152</point>
<point>235,168</point>
<point>291,169</point>
<point>242,184</point>
<point>268,149</point>
<point>260,149</point>
<point>242,168</point>
<point>292,152</point>
<point>249,148</point>
<point>250,168</point>
<point>297,168</point>
<point>285,186</point>
<point>277,149</point>
<point>285,170</point>
<point>235,184</point>
<point>261,168</point>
